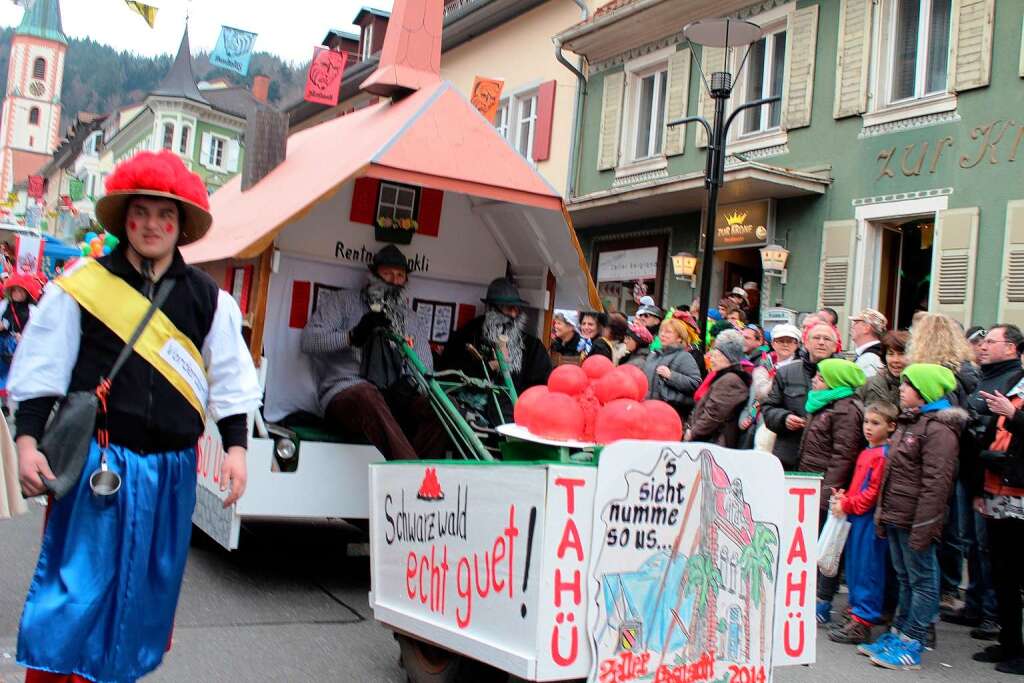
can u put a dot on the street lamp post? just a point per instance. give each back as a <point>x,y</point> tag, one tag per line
<point>721,33</point>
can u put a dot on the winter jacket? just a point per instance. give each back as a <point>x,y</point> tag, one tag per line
<point>685,378</point>
<point>980,430</point>
<point>600,347</point>
<point>919,477</point>
<point>714,418</point>
<point>1006,478</point>
<point>884,386</point>
<point>637,358</point>
<point>535,368</point>
<point>872,359</point>
<point>831,441</point>
<point>787,397</point>
<point>862,493</point>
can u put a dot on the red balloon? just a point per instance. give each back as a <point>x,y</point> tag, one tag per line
<point>621,419</point>
<point>663,422</point>
<point>557,416</point>
<point>639,376</point>
<point>591,407</point>
<point>616,384</point>
<point>568,379</point>
<point>597,367</point>
<point>525,406</point>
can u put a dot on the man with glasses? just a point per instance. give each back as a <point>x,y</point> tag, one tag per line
<point>999,358</point>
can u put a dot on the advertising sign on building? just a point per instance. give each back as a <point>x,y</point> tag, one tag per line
<point>742,225</point>
<point>628,264</point>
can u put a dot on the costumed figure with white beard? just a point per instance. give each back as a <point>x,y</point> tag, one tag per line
<point>527,359</point>
<point>362,385</point>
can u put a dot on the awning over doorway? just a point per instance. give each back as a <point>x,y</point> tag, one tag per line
<point>744,181</point>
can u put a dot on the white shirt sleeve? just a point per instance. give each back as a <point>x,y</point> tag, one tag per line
<point>48,349</point>
<point>234,385</point>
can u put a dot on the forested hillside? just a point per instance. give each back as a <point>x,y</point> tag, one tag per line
<point>98,78</point>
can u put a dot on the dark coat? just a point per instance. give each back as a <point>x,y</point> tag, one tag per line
<point>536,363</point>
<point>832,439</point>
<point>714,420</point>
<point>981,426</point>
<point>600,347</point>
<point>637,358</point>
<point>678,389</point>
<point>883,386</point>
<point>787,397</point>
<point>919,477</point>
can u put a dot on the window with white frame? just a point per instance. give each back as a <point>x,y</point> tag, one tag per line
<point>516,121</point>
<point>91,146</point>
<point>396,201</point>
<point>647,121</point>
<point>184,145</point>
<point>216,155</point>
<point>915,37</point>
<point>168,136</point>
<point>366,43</point>
<point>501,119</point>
<point>762,77</point>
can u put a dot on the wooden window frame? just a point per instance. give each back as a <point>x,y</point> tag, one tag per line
<point>661,241</point>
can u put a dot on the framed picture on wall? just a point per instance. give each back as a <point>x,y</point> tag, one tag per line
<point>437,316</point>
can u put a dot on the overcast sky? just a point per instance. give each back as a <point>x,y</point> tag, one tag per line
<point>288,29</point>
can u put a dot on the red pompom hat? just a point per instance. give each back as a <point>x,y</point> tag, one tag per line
<point>30,283</point>
<point>156,174</point>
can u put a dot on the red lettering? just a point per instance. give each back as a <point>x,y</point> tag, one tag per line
<point>786,642</point>
<point>410,574</point>
<point>570,539</point>
<point>802,493</point>
<point>570,491</point>
<point>574,645</point>
<point>797,547</point>
<point>799,588</point>
<point>483,590</point>
<point>561,586</point>
<point>511,531</point>
<point>465,592</point>
<point>497,555</point>
<point>424,573</point>
<point>627,666</point>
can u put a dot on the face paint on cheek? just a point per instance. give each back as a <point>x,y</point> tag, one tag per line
<point>131,226</point>
<point>168,228</point>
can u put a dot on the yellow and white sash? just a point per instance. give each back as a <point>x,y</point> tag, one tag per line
<point>120,307</point>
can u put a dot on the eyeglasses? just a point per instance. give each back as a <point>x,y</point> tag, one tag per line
<point>988,341</point>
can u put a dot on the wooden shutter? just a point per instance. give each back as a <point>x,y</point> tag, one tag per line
<point>611,121</point>
<point>954,252</point>
<point>231,162</point>
<point>1011,290</point>
<point>204,152</point>
<point>429,215</point>
<point>853,58</point>
<point>545,119</point>
<point>971,59</point>
<point>678,96</point>
<point>364,201</point>
<point>713,59</point>
<point>838,244</point>
<point>798,83</point>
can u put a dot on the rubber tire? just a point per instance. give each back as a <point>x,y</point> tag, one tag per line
<point>425,663</point>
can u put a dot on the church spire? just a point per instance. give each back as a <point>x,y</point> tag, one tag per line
<point>180,81</point>
<point>42,19</point>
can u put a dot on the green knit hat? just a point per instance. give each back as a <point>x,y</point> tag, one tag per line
<point>930,380</point>
<point>841,373</point>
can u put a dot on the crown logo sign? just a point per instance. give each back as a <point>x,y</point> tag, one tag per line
<point>735,218</point>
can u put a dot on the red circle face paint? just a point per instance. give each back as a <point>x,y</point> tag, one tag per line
<point>168,228</point>
<point>132,226</point>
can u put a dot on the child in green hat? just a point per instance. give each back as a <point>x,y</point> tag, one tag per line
<point>912,507</point>
<point>832,439</point>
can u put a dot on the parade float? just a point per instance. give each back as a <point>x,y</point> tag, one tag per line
<point>551,550</point>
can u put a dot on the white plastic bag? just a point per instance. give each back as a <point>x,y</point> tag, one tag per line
<point>764,438</point>
<point>831,543</point>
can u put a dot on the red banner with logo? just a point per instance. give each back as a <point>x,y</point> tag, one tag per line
<point>323,80</point>
<point>35,186</point>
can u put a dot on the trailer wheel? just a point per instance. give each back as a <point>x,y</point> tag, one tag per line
<point>425,663</point>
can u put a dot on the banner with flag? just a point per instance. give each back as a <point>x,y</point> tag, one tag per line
<point>147,12</point>
<point>28,254</point>
<point>35,186</point>
<point>233,49</point>
<point>487,96</point>
<point>76,189</point>
<point>323,80</point>
<point>33,215</point>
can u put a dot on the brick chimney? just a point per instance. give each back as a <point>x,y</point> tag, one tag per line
<point>266,143</point>
<point>261,87</point>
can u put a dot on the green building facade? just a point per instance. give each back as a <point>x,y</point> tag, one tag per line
<point>890,170</point>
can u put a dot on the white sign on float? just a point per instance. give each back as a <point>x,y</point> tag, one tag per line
<point>686,554</point>
<point>628,264</point>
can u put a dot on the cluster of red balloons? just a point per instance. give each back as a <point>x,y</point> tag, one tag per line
<point>598,403</point>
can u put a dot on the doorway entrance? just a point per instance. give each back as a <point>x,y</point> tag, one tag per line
<point>905,268</point>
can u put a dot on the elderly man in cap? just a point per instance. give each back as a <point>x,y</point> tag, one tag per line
<point>504,321</point>
<point>362,384</point>
<point>866,330</point>
<point>104,593</point>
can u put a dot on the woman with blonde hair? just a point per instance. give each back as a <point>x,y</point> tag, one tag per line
<point>938,339</point>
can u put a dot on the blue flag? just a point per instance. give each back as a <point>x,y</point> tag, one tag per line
<point>233,50</point>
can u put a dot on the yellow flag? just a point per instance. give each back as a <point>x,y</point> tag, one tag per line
<point>147,12</point>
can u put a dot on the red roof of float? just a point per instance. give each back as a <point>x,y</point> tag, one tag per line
<point>434,138</point>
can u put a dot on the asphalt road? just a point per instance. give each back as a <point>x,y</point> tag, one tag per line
<point>291,607</point>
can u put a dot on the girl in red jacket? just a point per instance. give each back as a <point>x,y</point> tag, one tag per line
<point>867,555</point>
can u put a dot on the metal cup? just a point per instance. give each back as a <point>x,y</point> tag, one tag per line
<point>104,482</point>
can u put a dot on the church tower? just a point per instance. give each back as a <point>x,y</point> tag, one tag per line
<point>30,128</point>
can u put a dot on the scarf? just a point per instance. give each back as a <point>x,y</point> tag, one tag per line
<point>585,346</point>
<point>704,386</point>
<point>822,398</point>
<point>934,406</point>
<point>497,324</point>
<point>391,299</point>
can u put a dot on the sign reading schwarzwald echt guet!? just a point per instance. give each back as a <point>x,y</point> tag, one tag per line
<point>742,225</point>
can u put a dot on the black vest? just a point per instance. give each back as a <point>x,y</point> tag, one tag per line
<point>145,412</point>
